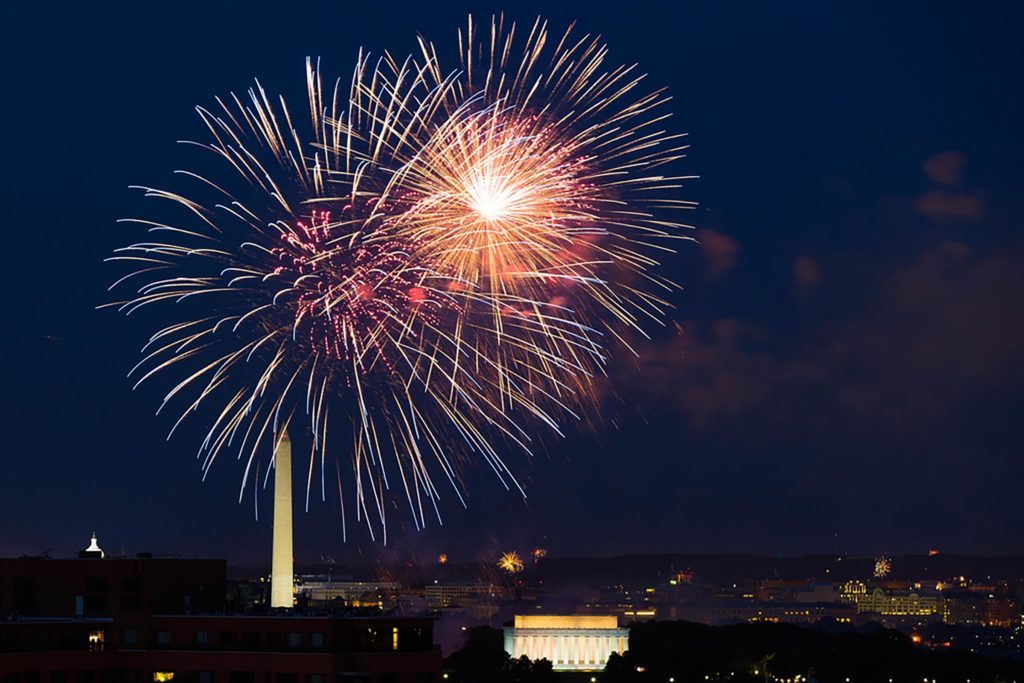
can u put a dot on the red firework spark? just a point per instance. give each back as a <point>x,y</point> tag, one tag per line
<point>355,295</point>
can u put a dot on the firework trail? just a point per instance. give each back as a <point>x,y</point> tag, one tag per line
<point>439,258</point>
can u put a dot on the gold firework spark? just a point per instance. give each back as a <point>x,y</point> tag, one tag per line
<point>511,562</point>
<point>535,183</point>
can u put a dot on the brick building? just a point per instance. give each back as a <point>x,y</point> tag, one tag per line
<point>148,620</point>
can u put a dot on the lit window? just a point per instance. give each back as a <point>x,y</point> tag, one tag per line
<point>394,638</point>
<point>96,641</point>
<point>162,676</point>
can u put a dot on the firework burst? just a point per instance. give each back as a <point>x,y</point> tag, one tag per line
<point>535,184</point>
<point>511,563</point>
<point>440,257</point>
<point>291,296</point>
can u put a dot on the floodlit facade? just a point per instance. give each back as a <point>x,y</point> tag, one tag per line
<point>570,643</point>
<point>282,586</point>
<point>893,603</point>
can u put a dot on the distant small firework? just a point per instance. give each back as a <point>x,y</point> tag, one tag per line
<point>539,554</point>
<point>511,562</point>
<point>883,567</point>
<point>442,558</point>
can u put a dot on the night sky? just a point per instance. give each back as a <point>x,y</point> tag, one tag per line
<point>847,372</point>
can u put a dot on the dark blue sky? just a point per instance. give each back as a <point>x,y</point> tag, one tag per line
<point>849,371</point>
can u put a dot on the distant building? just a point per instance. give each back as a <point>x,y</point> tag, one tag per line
<point>443,595</point>
<point>354,593</point>
<point>896,603</point>
<point>570,642</point>
<point>722,612</point>
<point>94,550</point>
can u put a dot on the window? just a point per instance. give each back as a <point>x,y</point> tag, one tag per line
<point>96,584</point>
<point>131,636</point>
<point>273,640</point>
<point>228,638</point>
<point>294,640</point>
<point>24,594</point>
<point>163,676</point>
<point>11,678</point>
<point>250,640</point>
<point>202,637</point>
<point>315,678</point>
<point>424,677</point>
<point>317,640</point>
<point>87,676</point>
<point>58,677</point>
<point>204,677</point>
<point>287,678</point>
<point>163,638</point>
<point>96,602</point>
<point>242,677</point>
<point>96,641</point>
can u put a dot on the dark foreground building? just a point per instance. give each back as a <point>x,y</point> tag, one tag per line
<point>157,620</point>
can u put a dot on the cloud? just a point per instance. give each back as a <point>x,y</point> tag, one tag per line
<point>720,251</point>
<point>945,168</point>
<point>946,203</point>
<point>941,336</point>
<point>941,206</point>
<point>806,272</point>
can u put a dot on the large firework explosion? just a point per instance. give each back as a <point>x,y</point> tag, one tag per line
<point>541,187</point>
<point>442,258</point>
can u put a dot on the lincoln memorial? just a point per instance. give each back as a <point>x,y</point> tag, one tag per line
<point>570,643</point>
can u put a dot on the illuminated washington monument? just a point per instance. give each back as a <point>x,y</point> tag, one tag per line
<point>281,583</point>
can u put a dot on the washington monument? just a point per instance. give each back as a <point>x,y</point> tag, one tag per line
<point>281,583</point>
